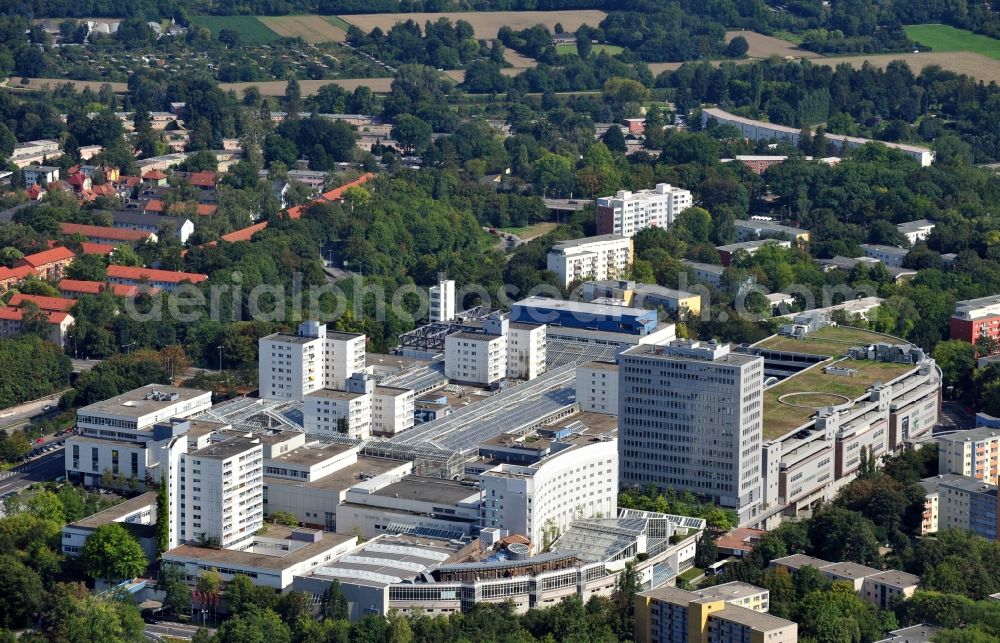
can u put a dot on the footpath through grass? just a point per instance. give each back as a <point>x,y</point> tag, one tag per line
<point>947,38</point>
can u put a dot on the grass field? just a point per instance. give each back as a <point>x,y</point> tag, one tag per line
<point>531,231</point>
<point>338,22</point>
<point>251,29</point>
<point>946,38</point>
<point>571,49</point>
<point>312,29</point>
<point>779,418</point>
<point>832,341</point>
<point>485,23</point>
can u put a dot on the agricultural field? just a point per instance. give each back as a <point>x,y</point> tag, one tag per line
<point>310,87</point>
<point>485,24</point>
<point>311,28</point>
<point>762,46</point>
<point>942,38</point>
<point>250,28</point>
<point>961,62</point>
<point>596,49</point>
<point>519,60</point>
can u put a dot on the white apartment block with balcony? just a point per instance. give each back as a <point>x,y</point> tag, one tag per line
<point>292,366</point>
<point>329,411</point>
<point>607,256</point>
<point>223,492</point>
<point>973,453</point>
<point>525,350</point>
<point>392,410</point>
<point>628,212</point>
<point>541,500</point>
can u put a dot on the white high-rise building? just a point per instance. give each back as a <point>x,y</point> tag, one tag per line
<point>442,301</point>
<point>690,418</point>
<point>478,358</point>
<point>223,492</point>
<point>597,387</point>
<point>605,257</point>
<point>292,366</point>
<point>628,212</point>
<point>392,410</point>
<point>348,411</point>
<point>525,350</point>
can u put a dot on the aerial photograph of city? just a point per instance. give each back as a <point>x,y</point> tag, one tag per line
<point>500,321</point>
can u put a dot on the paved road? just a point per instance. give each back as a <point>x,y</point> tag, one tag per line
<point>174,630</point>
<point>17,415</point>
<point>43,469</point>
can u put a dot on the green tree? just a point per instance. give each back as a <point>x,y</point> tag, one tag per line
<point>87,267</point>
<point>957,360</point>
<point>413,133</point>
<point>112,553</point>
<point>173,581</point>
<point>46,505</point>
<point>20,593</point>
<point>623,602</point>
<point>162,519</point>
<point>706,553</point>
<point>333,603</point>
<point>254,626</point>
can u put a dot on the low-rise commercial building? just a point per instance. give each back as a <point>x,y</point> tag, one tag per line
<point>381,505</point>
<point>728,252</point>
<point>270,560</point>
<point>915,231</point>
<point>889,255</point>
<point>753,229</point>
<point>137,515</point>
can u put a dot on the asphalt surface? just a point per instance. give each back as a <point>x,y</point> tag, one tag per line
<point>165,629</point>
<point>45,468</point>
<point>17,415</point>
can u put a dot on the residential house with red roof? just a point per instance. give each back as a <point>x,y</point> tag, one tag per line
<point>244,234</point>
<point>48,264</point>
<point>10,277</point>
<point>80,287</point>
<point>336,194</point>
<point>11,319</point>
<point>51,304</point>
<point>166,279</point>
<point>204,180</point>
<point>103,249</point>
<point>156,177</point>
<point>108,235</point>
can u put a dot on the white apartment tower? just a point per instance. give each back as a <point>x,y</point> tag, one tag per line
<point>442,301</point>
<point>690,418</point>
<point>349,411</point>
<point>478,358</point>
<point>223,492</point>
<point>605,257</point>
<point>392,410</point>
<point>628,212</point>
<point>525,350</point>
<point>292,366</point>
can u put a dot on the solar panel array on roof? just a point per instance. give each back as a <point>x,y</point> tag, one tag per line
<point>429,532</point>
